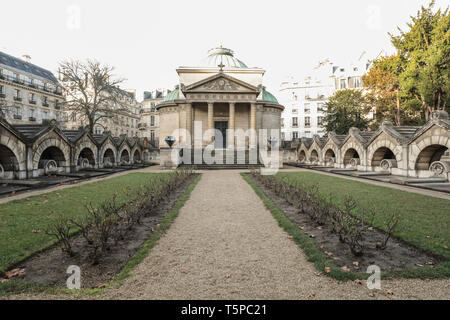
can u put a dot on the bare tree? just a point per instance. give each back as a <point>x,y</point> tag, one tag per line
<point>91,90</point>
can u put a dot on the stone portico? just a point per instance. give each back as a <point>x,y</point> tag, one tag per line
<point>229,99</point>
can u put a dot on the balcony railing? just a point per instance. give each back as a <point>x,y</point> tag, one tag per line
<point>32,101</point>
<point>57,91</point>
<point>17,117</point>
<point>44,104</point>
<point>32,119</point>
<point>2,95</point>
<point>57,106</point>
<point>17,99</point>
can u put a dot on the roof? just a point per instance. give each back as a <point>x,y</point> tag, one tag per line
<point>28,130</point>
<point>267,96</point>
<point>121,92</point>
<point>222,56</point>
<point>366,135</point>
<point>151,95</point>
<point>73,135</point>
<point>406,132</point>
<point>26,67</point>
<point>340,137</point>
<point>172,96</point>
<point>100,138</point>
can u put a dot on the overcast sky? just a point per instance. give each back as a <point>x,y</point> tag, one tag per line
<point>146,40</point>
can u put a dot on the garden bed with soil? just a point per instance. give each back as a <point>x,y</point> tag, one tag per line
<point>396,256</point>
<point>49,266</point>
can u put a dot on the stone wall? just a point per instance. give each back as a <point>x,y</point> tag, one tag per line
<point>420,152</point>
<point>48,150</point>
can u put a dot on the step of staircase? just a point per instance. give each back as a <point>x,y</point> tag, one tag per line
<point>224,166</point>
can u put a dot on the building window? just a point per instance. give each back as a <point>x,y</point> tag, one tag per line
<point>319,121</point>
<point>17,95</point>
<point>294,111</point>
<point>321,107</point>
<point>282,122</point>
<point>295,122</point>
<point>307,121</point>
<point>45,115</point>
<point>31,113</point>
<point>343,84</point>
<point>308,134</point>
<point>295,135</point>
<point>152,135</point>
<point>17,111</point>
<point>1,89</point>
<point>307,108</point>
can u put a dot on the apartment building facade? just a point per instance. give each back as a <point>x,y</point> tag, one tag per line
<point>305,98</point>
<point>123,119</point>
<point>149,122</point>
<point>29,94</point>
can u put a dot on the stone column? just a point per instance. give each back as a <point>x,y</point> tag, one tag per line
<point>253,125</point>
<point>211,117</point>
<point>231,126</point>
<point>189,121</point>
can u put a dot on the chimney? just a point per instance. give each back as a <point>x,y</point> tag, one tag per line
<point>26,57</point>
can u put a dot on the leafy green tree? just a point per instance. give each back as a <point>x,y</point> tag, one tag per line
<point>424,52</point>
<point>345,109</point>
<point>385,94</point>
<point>384,88</point>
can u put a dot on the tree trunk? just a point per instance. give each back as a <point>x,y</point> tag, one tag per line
<point>398,120</point>
<point>425,108</point>
<point>439,101</point>
<point>91,125</point>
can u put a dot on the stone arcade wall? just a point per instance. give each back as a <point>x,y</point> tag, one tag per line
<point>29,151</point>
<point>420,152</point>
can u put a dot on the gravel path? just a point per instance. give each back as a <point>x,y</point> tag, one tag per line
<point>226,245</point>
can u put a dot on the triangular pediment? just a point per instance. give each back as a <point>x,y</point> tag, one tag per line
<point>221,83</point>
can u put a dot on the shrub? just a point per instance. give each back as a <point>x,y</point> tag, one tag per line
<point>322,209</point>
<point>111,220</point>
<point>60,229</point>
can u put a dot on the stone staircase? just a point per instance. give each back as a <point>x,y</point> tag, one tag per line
<point>235,161</point>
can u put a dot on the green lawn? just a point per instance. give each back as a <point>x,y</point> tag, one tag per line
<point>424,220</point>
<point>19,218</point>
